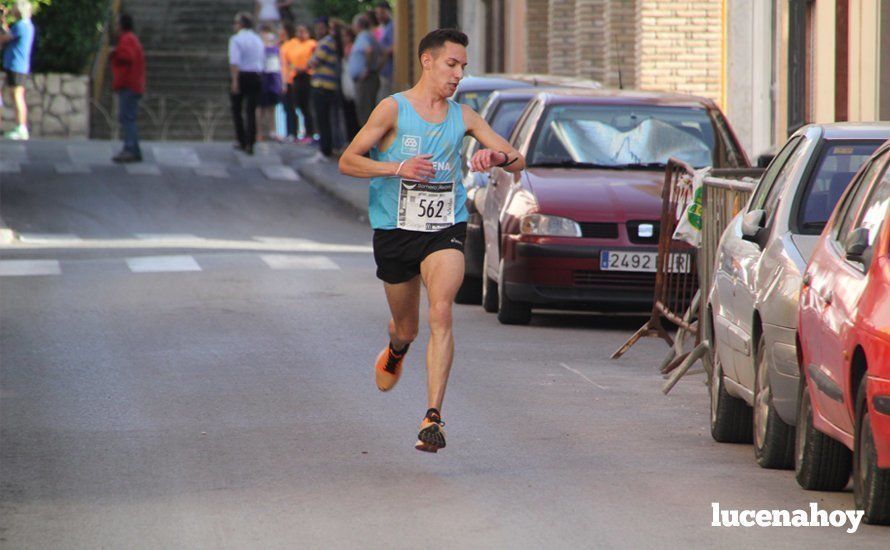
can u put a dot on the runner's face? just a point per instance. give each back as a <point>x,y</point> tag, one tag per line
<point>446,66</point>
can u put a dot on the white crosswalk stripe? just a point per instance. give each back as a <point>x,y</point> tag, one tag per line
<point>141,169</point>
<point>20,268</point>
<point>285,261</point>
<point>71,168</point>
<point>162,264</point>
<point>46,238</point>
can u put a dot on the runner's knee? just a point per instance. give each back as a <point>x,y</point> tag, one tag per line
<point>405,332</point>
<point>440,316</point>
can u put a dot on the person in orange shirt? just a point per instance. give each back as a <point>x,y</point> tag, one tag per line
<point>295,55</point>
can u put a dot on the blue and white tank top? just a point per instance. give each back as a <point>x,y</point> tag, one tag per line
<point>394,202</point>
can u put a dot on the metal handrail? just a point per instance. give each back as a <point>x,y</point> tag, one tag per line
<point>100,62</point>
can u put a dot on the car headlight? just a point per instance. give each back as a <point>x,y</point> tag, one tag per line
<point>553,226</point>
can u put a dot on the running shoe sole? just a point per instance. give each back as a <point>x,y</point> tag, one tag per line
<point>430,439</point>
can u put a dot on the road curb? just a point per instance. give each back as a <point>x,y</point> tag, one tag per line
<point>7,235</point>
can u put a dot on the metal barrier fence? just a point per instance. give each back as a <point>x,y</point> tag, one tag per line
<point>675,276</point>
<point>724,194</point>
<point>677,297</point>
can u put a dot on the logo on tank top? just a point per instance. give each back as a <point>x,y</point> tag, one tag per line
<point>411,145</point>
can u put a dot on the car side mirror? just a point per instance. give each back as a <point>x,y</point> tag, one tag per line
<point>856,245</point>
<point>752,225</point>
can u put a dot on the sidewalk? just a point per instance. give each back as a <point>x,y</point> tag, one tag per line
<point>327,177</point>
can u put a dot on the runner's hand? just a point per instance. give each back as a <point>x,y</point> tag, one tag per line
<point>485,159</point>
<point>418,168</point>
<point>235,88</point>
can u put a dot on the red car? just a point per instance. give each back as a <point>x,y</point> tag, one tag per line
<point>844,348</point>
<point>578,229</point>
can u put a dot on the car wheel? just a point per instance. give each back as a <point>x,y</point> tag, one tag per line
<point>489,290</point>
<point>773,438</point>
<point>820,462</point>
<point>509,311</point>
<point>871,485</point>
<point>730,416</point>
<point>470,292</point>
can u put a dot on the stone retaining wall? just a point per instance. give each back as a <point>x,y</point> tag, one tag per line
<point>58,106</point>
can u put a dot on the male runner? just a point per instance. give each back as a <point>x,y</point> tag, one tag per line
<point>417,207</point>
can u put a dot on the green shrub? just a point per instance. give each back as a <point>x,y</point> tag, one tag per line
<point>343,9</point>
<point>68,33</point>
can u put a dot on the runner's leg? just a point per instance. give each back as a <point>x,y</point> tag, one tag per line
<point>443,273</point>
<point>404,305</point>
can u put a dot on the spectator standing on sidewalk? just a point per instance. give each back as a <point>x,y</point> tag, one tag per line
<point>270,94</point>
<point>386,39</point>
<point>347,87</point>
<point>295,55</point>
<point>17,42</point>
<point>128,69</point>
<point>363,64</point>
<point>325,79</point>
<point>246,60</point>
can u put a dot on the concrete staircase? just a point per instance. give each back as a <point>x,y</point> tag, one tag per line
<point>185,45</point>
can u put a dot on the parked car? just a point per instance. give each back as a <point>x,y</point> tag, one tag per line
<point>579,227</point>
<point>844,339</point>
<point>754,296</point>
<point>501,111</point>
<point>475,90</point>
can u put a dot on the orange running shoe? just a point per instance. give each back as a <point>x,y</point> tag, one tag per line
<point>388,368</point>
<point>432,435</point>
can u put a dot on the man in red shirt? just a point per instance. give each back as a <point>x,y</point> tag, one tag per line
<point>128,67</point>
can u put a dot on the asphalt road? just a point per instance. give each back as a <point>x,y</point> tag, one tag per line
<point>185,362</point>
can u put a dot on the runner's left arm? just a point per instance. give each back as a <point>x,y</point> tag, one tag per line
<point>495,151</point>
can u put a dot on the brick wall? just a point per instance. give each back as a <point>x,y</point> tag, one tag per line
<point>589,38</point>
<point>537,32</point>
<point>680,46</point>
<point>592,39</point>
<point>624,30</point>
<point>561,56</point>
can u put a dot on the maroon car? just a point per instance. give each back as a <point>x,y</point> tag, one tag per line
<point>579,228</point>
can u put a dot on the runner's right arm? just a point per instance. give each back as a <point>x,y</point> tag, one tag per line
<point>383,119</point>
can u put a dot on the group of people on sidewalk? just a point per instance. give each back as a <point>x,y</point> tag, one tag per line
<point>127,65</point>
<point>333,80</point>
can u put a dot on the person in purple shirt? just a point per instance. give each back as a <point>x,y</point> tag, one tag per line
<point>17,41</point>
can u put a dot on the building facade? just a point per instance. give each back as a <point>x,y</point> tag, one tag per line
<point>772,65</point>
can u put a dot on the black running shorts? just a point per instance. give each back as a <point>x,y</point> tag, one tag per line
<point>399,252</point>
<point>14,79</point>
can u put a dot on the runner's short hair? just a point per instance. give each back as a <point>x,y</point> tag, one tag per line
<point>437,38</point>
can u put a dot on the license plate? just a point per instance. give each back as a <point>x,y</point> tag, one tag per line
<point>621,260</point>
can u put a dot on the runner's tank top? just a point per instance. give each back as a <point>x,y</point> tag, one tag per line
<point>415,136</point>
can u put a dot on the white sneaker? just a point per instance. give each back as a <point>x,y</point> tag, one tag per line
<point>20,133</point>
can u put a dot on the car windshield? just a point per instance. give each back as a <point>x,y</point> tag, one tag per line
<point>506,116</point>
<point>623,136</point>
<point>476,99</point>
<point>835,167</point>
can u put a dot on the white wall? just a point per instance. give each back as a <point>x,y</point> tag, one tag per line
<point>471,15</point>
<point>749,74</point>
